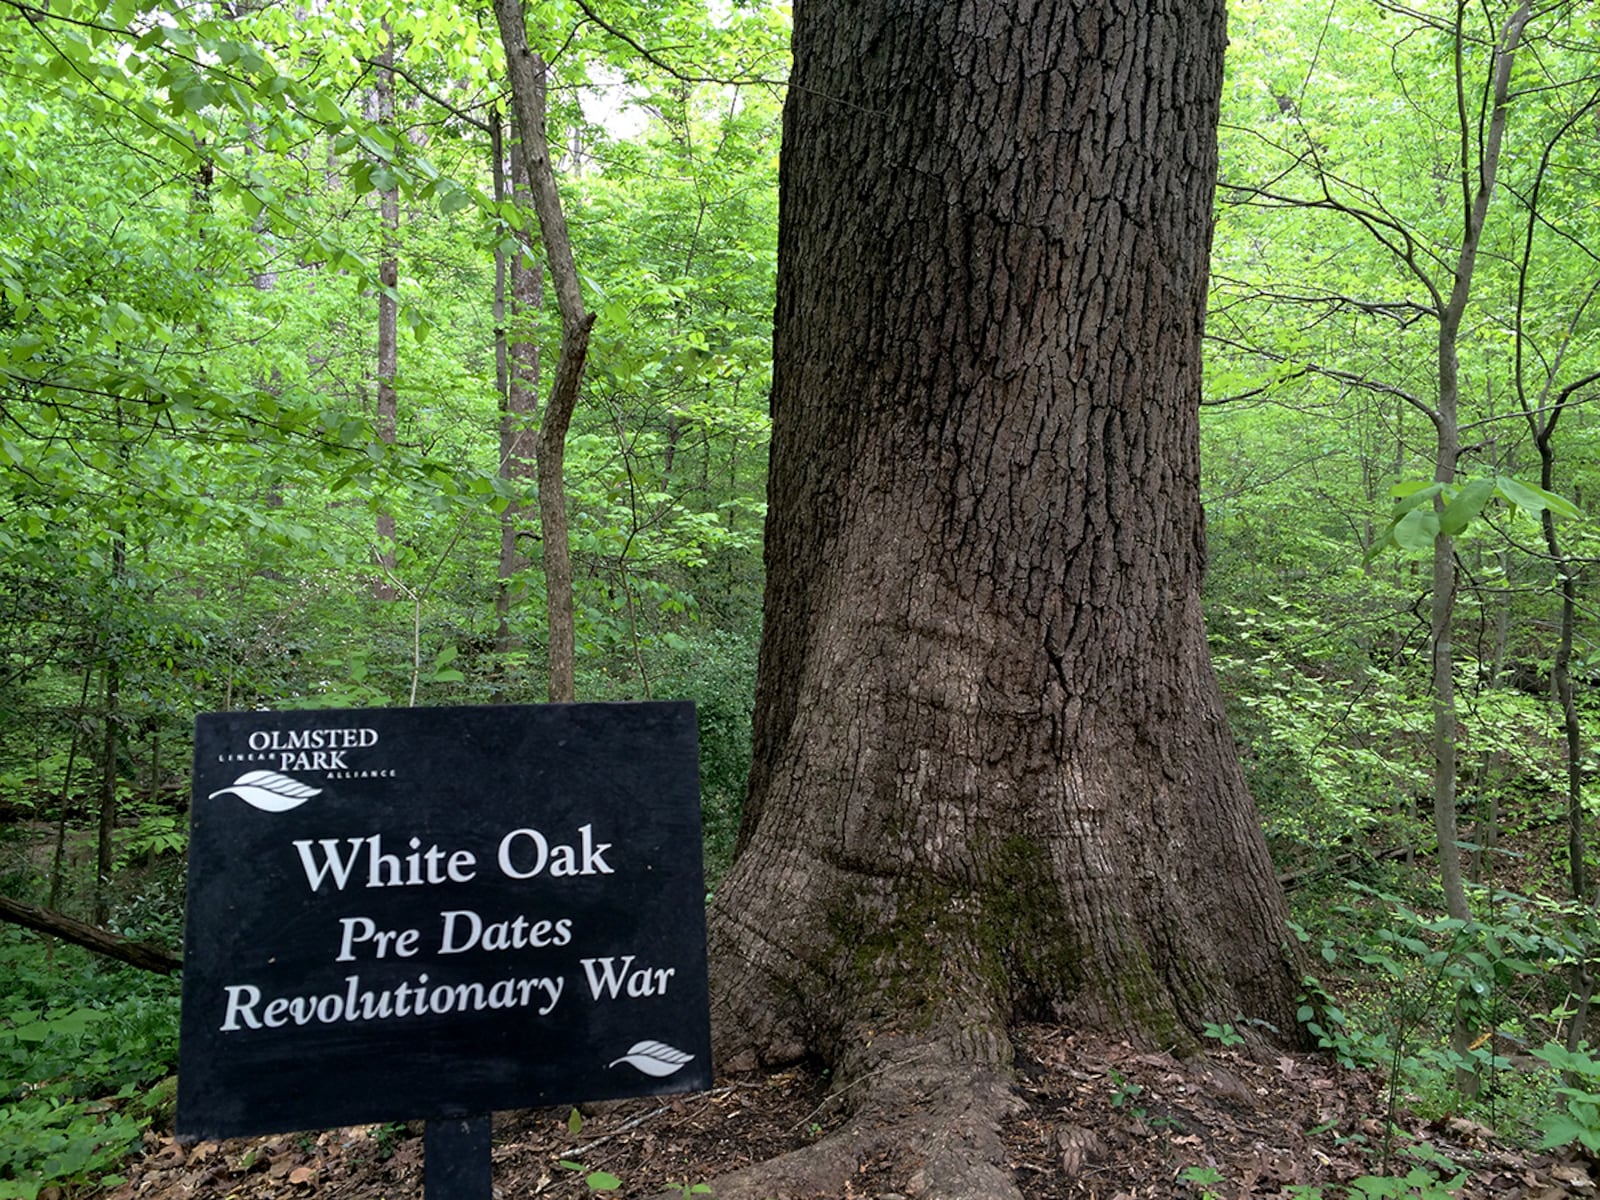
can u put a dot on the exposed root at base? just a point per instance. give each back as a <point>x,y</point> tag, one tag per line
<point>939,1123</point>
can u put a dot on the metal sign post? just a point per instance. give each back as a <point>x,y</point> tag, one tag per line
<point>455,1159</point>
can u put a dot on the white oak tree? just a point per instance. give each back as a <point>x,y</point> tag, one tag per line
<point>992,779</point>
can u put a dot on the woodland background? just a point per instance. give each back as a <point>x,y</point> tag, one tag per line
<point>222,486</point>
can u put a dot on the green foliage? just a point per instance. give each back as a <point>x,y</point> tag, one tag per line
<point>1329,742</point>
<point>1577,1121</point>
<point>190,471</point>
<point>48,1141</point>
<point>596,1181</point>
<point>1201,1179</point>
<point>1351,143</point>
<point>1326,1022</point>
<point>1421,1182</point>
<point>81,1047</point>
<point>1414,524</point>
<point>1124,1092</point>
<point>1412,975</point>
<point>1224,1034</point>
<point>157,833</point>
<point>715,669</point>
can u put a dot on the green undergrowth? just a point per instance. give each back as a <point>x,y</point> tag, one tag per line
<point>1388,980</point>
<point>1425,1175</point>
<point>86,1052</point>
<point>1406,977</point>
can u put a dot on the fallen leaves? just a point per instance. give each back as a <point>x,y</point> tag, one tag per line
<point>1102,1120</point>
<point>1291,1122</point>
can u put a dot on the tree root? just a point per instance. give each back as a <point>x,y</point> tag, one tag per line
<point>938,1119</point>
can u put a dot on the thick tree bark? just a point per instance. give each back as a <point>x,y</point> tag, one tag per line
<point>992,779</point>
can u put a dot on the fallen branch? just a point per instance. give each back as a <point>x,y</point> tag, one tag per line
<point>138,954</point>
<point>1288,880</point>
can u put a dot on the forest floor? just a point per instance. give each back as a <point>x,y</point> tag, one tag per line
<point>1102,1122</point>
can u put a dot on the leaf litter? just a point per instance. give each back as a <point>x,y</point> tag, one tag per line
<point>1103,1121</point>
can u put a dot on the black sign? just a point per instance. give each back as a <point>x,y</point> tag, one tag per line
<point>413,913</point>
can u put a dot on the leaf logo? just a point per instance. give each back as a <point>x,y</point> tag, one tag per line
<point>653,1058</point>
<point>268,791</point>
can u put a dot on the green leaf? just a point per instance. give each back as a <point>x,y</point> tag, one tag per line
<point>1561,1130</point>
<point>602,1181</point>
<point>1534,498</point>
<point>328,110</point>
<point>1416,530</point>
<point>1468,503</point>
<point>1412,492</point>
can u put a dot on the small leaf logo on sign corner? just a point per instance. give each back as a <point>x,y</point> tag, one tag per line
<point>268,791</point>
<point>653,1058</point>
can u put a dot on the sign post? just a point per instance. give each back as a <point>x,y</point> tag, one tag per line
<point>455,1160</point>
<point>433,913</point>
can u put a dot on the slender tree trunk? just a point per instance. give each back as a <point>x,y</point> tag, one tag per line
<point>153,791</point>
<point>992,778</point>
<point>1442,659</point>
<point>105,845</point>
<point>500,171</point>
<point>517,366</point>
<point>508,565</point>
<point>1479,165</point>
<point>1571,728</point>
<point>58,856</point>
<point>1567,573</point>
<point>105,850</point>
<point>528,84</point>
<point>388,318</point>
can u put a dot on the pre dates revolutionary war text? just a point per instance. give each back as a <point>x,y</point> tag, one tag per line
<point>432,913</point>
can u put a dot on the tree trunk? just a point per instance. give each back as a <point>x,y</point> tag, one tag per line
<point>517,368</point>
<point>383,587</point>
<point>526,71</point>
<point>58,855</point>
<point>992,779</point>
<point>1479,164</point>
<point>105,859</point>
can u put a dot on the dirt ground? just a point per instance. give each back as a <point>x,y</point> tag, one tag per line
<point>1102,1122</point>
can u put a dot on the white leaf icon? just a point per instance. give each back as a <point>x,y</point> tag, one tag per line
<point>268,791</point>
<point>653,1058</point>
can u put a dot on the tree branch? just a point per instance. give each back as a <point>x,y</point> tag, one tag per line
<point>423,90</point>
<point>654,57</point>
<point>1349,378</point>
<point>144,955</point>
